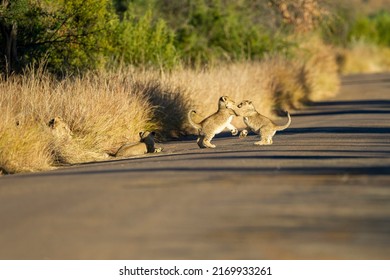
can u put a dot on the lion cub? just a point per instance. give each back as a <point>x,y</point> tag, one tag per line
<point>258,123</point>
<point>146,145</point>
<point>60,129</point>
<point>215,123</point>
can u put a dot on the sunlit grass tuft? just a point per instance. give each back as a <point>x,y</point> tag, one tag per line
<point>320,76</point>
<point>364,57</point>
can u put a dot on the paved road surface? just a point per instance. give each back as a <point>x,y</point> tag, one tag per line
<point>322,191</point>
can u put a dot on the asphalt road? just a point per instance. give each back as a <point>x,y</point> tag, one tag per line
<point>321,191</point>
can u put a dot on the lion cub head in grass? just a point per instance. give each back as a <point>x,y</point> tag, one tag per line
<point>145,145</point>
<point>60,128</point>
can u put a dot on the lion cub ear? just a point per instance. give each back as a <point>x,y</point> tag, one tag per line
<point>141,134</point>
<point>51,123</point>
<point>224,98</point>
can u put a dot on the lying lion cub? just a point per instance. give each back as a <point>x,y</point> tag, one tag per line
<point>214,123</point>
<point>258,123</point>
<point>146,145</point>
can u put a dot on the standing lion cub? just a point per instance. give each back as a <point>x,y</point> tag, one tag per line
<point>146,145</point>
<point>258,123</point>
<point>215,123</point>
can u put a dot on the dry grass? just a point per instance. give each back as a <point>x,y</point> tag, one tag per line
<point>363,57</point>
<point>101,111</point>
<point>238,81</point>
<point>319,69</point>
<point>105,110</point>
<point>24,149</point>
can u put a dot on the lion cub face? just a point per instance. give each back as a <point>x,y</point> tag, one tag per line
<point>60,128</point>
<point>245,109</point>
<point>225,102</point>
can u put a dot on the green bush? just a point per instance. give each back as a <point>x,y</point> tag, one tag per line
<point>68,35</point>
<point>145,42</point>
<point>374,29</point>
<point>79,35</point>
<point>216,31</point>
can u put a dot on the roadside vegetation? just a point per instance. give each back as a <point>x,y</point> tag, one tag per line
<point>360,30</point>
<point>110,69</point>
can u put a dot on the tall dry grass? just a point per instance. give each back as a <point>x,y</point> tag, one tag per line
<point>104,110</point>
<point>320,71</point>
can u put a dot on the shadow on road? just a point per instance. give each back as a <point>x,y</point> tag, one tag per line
<point>323,170</point>
<point>343,112</point>
<point>364,107</point>
<point>351,80</point>
<point>338,130</point>
<point>380,103</point>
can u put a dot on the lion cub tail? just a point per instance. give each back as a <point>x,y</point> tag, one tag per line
<point>192,122</point>
<point>283,127</point>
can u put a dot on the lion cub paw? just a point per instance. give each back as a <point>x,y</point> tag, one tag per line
<point>243,133</point>
<point>158,150</point>
<point>234,131</point>
<point>262,143</point>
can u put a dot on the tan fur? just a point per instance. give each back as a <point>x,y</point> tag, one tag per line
<point>214,123</point>
<point>60,128</point>
<point>146,145</point>
<point>258,123</point>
